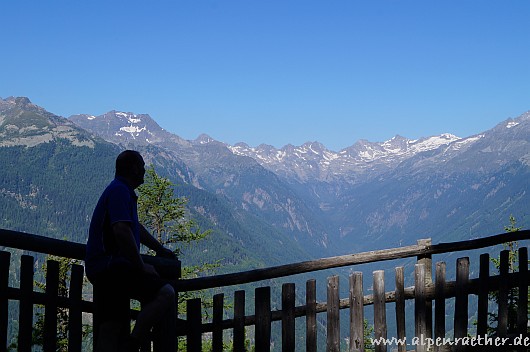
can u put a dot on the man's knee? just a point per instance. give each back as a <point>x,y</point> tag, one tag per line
<point>167,293</point>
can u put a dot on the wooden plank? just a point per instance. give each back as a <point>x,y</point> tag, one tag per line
<point>50,308</point>
<point>380,330</point>
<point>426,260</point>
<point>311,316</point>
<point>439,298</point>
<point>26,304</point>
<point>67,249</point>
<point>346,260</point>
<point>461,300</point>
<point>5,259</point>
<point>75,321</point>
<point>217,320</point>
<point>356,312</point>
<point>239,321</point>
<point>502,322</point>
<point>194,317</point>
<point>522,304</point>
<point>41,244</point>
<point>333,318</point>
<point>400,307</point>
<point>419,305</point>
<point>288,326</point>
<point>483,295</point>
<point>263,319</point>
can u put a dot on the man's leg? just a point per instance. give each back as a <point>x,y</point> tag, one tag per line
<point>164,332</point>
<point>164,304</point>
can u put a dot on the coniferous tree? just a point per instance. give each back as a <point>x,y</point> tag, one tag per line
<point>168,219</point>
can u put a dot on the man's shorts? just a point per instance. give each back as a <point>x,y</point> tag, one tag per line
<point>119,283</point>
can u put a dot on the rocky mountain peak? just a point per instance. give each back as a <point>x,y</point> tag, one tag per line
<point>24,123</point>
<point>203,139</point>
<point>126,127</point>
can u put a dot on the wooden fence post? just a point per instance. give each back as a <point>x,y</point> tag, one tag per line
<point>380,330</point>
<point>439,305</point>
<point>217,322</point>
<point>75,320</point>
<point>51,307</point>
<point>311,315</point>
<point>288,325</point>
<point>5,260</point>
<point>356,312</point>
<point>502,322</point>
<point>461,300</point>
<point>239,321</point>
<point>333,324</point>
<point>522,311</point>
<point>420,306</point>
<point>483,295</point>
<point>194,317</point>
<point>263,319</point>
<point>426,260</point>
<point>400,307</point>
<point>26,304</point>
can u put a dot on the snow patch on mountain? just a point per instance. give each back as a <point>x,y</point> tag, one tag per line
<point>133,129</point>
<point>313,160</point>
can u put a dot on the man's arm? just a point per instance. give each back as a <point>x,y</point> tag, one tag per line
<point>125,238</point>
<point>148,240</point>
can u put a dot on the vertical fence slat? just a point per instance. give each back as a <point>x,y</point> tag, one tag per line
<point>263,319</point>
<point>380,330</point>
<point>311,315</point>
<point>439,299</point>
<point>419,304</point>
<point>461,300</point>
<point>356,312</point>
<point>400,306</point>
<point>426,260</point>
<point>239,321</point>
<point>288,326</point>
<point>333,323</point>
<point>483,295</point>
<point>50,308</point>
<point>522,309</point>
<point>502,323</point>
<point>26,304</point>
<point>194,317</point>
<point>5,259</point>
<point>75,321</point>
<point>217,320</point>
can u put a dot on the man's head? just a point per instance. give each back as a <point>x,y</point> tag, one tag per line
<point>130,165</point>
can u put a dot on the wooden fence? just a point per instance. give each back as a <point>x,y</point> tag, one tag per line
<point>28,297</point>
<point>429,321</point>
<point>423,293</point>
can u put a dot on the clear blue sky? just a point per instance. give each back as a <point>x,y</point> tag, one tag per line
<point>277,71</point>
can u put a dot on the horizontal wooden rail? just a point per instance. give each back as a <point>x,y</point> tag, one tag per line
<point>345,260</point>
<point>41,244</point>
<point>67,249</point>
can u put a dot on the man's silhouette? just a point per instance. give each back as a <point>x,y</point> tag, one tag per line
<point>113,261</point>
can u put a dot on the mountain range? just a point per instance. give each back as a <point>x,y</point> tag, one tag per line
<point>297,202</point>
<point>392,191</point>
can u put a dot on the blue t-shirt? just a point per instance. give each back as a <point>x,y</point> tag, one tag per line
<point>117,203</point>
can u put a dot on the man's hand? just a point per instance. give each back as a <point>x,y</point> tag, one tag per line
<point>165,253</point>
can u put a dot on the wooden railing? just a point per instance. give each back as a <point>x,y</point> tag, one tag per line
<point>423,293</point>
<point>28,297</point>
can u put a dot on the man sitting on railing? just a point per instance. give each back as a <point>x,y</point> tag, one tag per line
<point>113,261</point>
